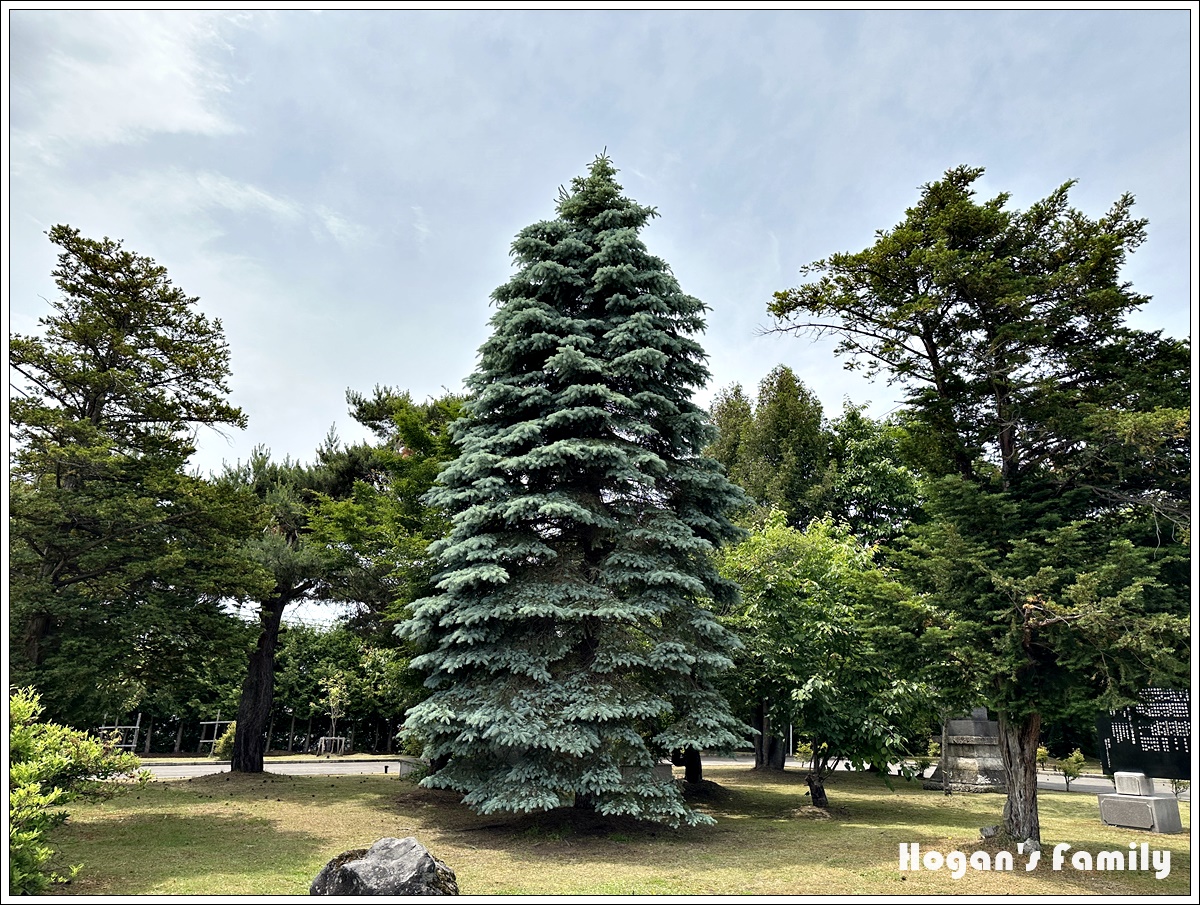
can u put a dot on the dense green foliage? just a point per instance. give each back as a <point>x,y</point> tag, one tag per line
<point>1055,438</point>
<point>568,647</point>
<point>371,503</point>
<point>774,447</point>
<point>834,646</point>
<point>119,558</point>
<point>222,748</point>
<point>374,673</point>
<point>49,766</point>
<point>786,456</point>
<point>350,528</point>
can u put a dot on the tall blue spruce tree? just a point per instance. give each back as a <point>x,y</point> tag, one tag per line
<point>570,646</point>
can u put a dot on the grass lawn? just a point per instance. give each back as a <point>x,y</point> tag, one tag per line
<point>269,835</point>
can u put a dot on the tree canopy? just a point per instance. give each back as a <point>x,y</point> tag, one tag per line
<point>834,646</point>
<point>780,449</point>
<point>774,447</point>
<point>348,528</point>
<point>568,646</point>
<point>117,553</point>
<point>1056,436</point>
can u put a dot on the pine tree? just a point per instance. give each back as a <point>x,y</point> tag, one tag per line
<point>117,553</point>
<point>570,647</point>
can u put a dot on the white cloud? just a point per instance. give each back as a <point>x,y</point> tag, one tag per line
<point>345,232</point>
<point>183,192</point>
<point>115,77</point>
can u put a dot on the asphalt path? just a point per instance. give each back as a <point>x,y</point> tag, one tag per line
<point>1092,784</point>
<point>309,766</point>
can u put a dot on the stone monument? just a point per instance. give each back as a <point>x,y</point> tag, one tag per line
<point>971,755</point>
<point>1136,805</point>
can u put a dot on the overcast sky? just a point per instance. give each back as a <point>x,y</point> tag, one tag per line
<point>341,188</point>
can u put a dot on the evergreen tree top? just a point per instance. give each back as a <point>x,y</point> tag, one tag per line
<point>595,200</point>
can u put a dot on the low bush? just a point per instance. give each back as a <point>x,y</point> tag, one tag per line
<point>222,748</point>
<point>49,767</point>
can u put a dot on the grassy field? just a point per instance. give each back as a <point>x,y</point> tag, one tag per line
<point>270,834</point>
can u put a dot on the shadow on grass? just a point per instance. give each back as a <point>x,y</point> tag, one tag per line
<point>765,823</point>
<point>755,809</point>
<point>269,834</point>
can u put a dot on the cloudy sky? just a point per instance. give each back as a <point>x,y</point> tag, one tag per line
<point>341,188</point>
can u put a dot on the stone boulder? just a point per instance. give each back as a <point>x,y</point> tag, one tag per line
<point>390,867</point>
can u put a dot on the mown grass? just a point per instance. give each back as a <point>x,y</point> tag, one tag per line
<point>269,835</point>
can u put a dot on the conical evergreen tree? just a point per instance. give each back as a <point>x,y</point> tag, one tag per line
<point>569,647</point>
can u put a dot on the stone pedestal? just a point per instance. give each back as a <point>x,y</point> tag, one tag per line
<point>972,755</point>
<point>1136,806</point>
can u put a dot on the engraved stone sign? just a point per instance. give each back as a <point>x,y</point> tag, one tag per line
<point>1152,738</point>
<point>1116,810</point>
<point>1156,813</point>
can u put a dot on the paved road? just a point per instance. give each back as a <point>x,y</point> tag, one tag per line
<point>329,766</point>
<point>312,766</point>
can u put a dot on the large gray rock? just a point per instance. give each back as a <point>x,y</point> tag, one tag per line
<point>390,867</point>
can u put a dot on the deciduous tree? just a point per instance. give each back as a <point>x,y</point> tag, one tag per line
<point>833,645</point>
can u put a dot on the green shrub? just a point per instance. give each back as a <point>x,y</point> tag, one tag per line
<point>804,752</point>
<point>51,766</point>
<point>1043,757</point>
<point>222,748</point>
<point>1071,766</point>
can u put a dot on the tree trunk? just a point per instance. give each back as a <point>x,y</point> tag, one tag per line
<point>308,734</point>
<point>292,733</point>
<point>258,692</point>
<point>37,627</point>
<point>816,789</point>
<point>149,736</point>
<point>693,767</point>
<point>769,751</point>
<point>178,738</point>
<point>1018,751</point>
